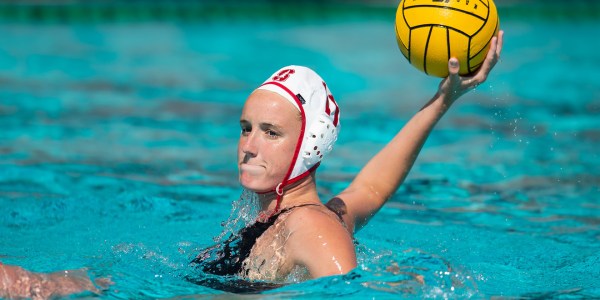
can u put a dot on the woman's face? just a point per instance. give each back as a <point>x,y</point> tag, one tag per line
<point>270,130</point>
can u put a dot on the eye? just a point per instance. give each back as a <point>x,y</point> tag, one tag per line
<point>245,130</point>
<point>271,133</point>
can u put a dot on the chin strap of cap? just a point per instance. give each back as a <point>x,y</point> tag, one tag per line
<point>279,192</point>
<point>279,188</point>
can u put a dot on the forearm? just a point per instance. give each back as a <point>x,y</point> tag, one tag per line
<point>382,175</point>
<point>17,283</point>
<point>386,171</point>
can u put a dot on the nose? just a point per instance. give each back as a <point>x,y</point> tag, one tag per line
<point>248,145</point>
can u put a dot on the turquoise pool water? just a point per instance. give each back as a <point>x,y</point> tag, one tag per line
<point>117,153</point>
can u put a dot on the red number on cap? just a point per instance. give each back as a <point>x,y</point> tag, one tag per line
<point>283,74</point>
<point>327,110</point>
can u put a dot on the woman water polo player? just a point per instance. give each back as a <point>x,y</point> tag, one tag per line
<point>287,125</point>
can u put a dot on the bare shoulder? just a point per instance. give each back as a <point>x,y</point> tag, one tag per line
<point>319,241</point>
<point>312,218</point>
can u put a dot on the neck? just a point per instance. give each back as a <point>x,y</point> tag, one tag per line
<point>303,192</point>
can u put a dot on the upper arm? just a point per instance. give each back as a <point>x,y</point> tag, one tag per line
<point>320,243</point>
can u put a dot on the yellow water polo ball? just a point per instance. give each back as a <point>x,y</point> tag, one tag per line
<point>430,32</point>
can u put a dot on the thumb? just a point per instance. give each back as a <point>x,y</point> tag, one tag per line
<point>453,67</point>
<point>452,83</point>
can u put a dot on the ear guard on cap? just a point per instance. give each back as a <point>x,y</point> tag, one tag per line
<point>319,141</point>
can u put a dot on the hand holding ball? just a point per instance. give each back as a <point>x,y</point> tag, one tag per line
<point>430,32</point>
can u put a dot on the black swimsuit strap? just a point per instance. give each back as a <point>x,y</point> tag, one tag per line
<point>290,208</point>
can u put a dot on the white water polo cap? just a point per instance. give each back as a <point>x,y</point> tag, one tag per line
<point>307,91</point>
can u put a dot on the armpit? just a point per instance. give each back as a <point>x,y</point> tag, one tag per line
<point>338,206</point>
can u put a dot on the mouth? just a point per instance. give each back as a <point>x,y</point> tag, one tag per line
<point>251,169</point>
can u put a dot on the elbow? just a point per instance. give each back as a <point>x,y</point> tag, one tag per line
<point>376,195</point>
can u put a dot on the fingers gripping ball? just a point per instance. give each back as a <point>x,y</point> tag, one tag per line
<point>430,32</point>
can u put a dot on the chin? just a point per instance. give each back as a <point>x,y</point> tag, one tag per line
<point>258,190</point>
<point>254,185</point>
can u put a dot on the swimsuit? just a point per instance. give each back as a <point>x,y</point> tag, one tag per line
<point>230,257</point>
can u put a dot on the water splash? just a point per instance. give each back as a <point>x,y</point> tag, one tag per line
<point>413,273</point>
<point>244,211</point>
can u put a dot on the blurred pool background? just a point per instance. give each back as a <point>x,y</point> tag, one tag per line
<point>118,126</point>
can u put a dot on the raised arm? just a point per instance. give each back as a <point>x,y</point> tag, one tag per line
<point>384,173</point>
